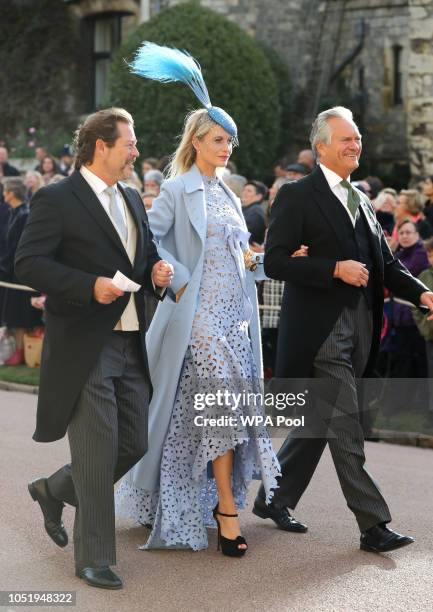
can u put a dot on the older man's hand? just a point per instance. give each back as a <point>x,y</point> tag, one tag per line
<point>162,274</point>
<point>426,299</point>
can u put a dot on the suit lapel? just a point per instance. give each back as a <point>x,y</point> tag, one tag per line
<point>87,197</point>
<point>329,204</point>
<point>369,216</point>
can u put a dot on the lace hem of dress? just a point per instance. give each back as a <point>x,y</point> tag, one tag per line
<point>180,527</point>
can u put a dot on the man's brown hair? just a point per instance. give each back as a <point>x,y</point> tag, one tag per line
<point>103,125</point>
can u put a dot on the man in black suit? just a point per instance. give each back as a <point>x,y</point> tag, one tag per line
<point>94,375</point>
<point>330,323</point>
<point>6,169</point>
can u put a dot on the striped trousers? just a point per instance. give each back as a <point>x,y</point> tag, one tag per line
<point>107,436</point>
<point>335,421</point>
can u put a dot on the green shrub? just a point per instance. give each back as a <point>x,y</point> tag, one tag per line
<point>237,73</point>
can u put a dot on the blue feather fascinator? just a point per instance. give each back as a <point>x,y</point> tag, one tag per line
<point>169,65</point>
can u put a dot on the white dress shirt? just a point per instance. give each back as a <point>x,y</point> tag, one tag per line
<point>338,190</point>
<point>129,319</point>
<point>99,187</point>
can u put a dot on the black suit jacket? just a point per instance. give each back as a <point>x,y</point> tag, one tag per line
<point>67,243</point>
<point>307,212</point>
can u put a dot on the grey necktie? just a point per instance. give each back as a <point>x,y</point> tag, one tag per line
<point>353,198</point>
<point>116,213</point>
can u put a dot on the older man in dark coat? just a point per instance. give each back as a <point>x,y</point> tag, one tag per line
<point>330,322</point>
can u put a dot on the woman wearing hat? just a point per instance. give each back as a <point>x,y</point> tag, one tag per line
<point>204,339</point>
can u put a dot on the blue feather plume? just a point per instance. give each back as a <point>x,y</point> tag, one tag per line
<point>170,65</point>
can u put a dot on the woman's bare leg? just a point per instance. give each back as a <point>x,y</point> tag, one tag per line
<point>222,469</point>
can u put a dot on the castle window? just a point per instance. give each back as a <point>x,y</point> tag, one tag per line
<point>106,37</point>
<point>397,75</point>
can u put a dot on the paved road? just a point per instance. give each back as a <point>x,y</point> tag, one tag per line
<point>322,570</point>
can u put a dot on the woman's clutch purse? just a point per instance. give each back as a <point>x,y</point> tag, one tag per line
<point>251,260</point>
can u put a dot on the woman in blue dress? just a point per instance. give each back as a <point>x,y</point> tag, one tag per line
<point>204,356</point>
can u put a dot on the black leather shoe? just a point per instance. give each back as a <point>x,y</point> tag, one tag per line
<point>380,539</point>
<point>281,517</point>
<point>51,509</point>
<point>101,577</point>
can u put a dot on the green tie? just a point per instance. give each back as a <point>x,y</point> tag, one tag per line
<point>353,198</point>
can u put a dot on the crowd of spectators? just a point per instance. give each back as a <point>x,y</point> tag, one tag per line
<point>406,218</point>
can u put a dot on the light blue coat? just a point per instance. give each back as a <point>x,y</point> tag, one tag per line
<point>178,222</point>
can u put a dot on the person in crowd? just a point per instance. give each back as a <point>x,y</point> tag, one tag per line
<point>206,334</point>
<point>410,206</point>
<point>403,351</point>
<point>306,158</point>
<point>275,187</point>
<point>296,171</point>
<point>254,194</point>
<point>385,205</point>
<point>95,380</point>
<point>56,178</point>
<point>33,181</point>
<point>49,168</point>
<point>153,181</point>
<point>152,186</point>
<point>332,312</point>
<point>279,169</point>
<point>427,189</point>
<point>230,168</point>
<point>425,327</point>
<point>375,184</point>
<point>363,186</point>
<point>40,153</point>
<point>4,218</point>
<point>271,297</point>
<point>236,182</point>
<point>164,163</point>
<point>6,169</point>
<point>149,163</point>
<point>66,160</point>
<point>409,351</point>
<point>17,313</point>
<point>148,197</point>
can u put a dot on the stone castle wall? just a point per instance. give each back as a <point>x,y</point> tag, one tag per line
<point>420,89</point>
<point>314,37</point>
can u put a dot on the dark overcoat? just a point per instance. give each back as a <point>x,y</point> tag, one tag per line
<point>307,212</point>
<point>67,243</point>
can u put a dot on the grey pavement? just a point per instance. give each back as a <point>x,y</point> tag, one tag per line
<point>323,570</point>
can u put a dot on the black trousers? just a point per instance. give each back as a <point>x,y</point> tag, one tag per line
<point>107,436</point>
<point>335,421</point>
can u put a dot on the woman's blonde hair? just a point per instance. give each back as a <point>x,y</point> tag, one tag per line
<point>39,180</point>
<point>414,203</point>
<point>197,123</point>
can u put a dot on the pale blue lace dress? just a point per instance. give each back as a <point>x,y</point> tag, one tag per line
<point>219,356</point>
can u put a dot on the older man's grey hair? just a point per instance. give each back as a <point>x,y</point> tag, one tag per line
<point>154,175</point>
<point>321,130</point>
